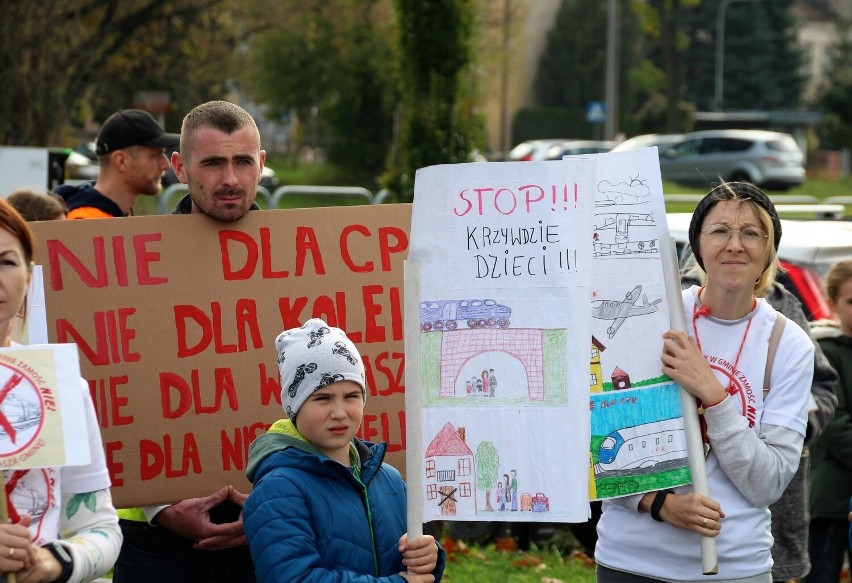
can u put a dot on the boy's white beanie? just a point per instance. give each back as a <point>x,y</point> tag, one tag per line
<point>312,357</point>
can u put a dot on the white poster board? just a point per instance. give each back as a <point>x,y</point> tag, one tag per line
<point>542,301</point>
<point>41,408</point>
<point>504,252</point>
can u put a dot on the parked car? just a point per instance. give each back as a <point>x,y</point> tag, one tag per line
<point>79,167</point>
<point>533,150</point>
<point>662,141</point>
<point>807,251</point>
<point>575,147</point>
<point>770,160</point>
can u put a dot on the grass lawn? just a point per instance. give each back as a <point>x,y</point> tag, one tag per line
<point>501,562</point>
<point>819,189</point>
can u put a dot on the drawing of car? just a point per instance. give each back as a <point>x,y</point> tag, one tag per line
<point>476,313</point>
<point>643,446</point>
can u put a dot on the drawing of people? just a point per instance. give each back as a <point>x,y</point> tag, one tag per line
<point>479,387</point>
<point>507,491</point>
<point>514,489</point>
<point>469,389</point>
<point>485,390</point>
<point>492,382</point>
<point>501,500</point>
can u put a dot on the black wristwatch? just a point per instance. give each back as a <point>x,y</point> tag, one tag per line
<point>62,555</point>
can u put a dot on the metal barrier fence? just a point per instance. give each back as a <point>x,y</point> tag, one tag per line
<point>267,200</point>
<point>833,207</point>
<point>776,199</point>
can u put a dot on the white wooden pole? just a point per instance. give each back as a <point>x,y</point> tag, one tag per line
<point>694,445</point>
<point>413,400</point>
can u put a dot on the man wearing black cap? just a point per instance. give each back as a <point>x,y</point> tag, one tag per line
<point>131,148</point>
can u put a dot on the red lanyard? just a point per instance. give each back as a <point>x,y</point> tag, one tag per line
<point>704,310</point>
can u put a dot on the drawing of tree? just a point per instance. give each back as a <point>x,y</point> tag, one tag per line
<point>487,461</point>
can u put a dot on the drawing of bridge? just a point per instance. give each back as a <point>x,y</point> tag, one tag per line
<point>525,345</point>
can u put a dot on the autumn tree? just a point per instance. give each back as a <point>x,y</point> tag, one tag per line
<point>88,57</point>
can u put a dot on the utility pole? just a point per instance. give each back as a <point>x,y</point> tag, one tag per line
<point>612,67</point>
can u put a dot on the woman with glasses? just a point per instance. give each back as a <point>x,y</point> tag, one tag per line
<point>752,437</point>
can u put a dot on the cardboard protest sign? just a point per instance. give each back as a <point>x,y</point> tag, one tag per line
<point>42,420</point>
<point>176,316</point>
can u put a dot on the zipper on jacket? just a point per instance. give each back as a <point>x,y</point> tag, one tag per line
<point>356,473</point>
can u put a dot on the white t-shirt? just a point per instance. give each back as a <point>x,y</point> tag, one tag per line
<point>38,492</point>
<point>634,542</point>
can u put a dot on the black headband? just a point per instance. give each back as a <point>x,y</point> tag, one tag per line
<point>728,191</point>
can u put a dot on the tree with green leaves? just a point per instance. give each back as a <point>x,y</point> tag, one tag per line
<point>835,100</point>
<point>762,58</point>
<point>487,460</point>
<point>326,66</point>
<point>437,120</point>
<point>660,71</point>
<point>571,68</point>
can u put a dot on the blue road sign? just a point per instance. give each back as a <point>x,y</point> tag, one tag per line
<point>596,112</point>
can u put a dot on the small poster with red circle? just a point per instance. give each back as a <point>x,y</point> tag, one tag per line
<point>41,407</point>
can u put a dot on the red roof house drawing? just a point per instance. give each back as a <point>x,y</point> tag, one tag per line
<point>450,472</point>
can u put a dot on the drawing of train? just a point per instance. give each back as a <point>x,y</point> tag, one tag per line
<point>29,500</point>
<point>22,414</point>
<point>623,233</point>
<point>642,446</point>
<point>477,313</point>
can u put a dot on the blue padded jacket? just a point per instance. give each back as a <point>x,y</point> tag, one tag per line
<point>311,519</point>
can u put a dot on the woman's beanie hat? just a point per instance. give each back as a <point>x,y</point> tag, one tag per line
<point>727,191</point>
<point>312,357</point>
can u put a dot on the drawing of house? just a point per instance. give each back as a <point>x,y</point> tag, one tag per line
<point>596,374</point>
<point>450,472</point>
<point>620,379</point>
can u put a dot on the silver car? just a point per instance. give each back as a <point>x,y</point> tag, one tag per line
<point>533,150</point>
<point>577,147</point>
<point>770,160</point>
<point>662,141</point>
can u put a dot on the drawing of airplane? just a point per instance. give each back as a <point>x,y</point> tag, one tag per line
<point>620,311</point>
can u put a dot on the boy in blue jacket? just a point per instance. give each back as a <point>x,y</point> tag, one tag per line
<point>324,506</point>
